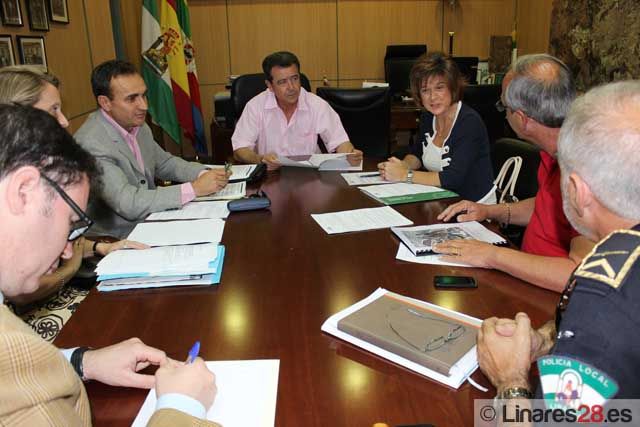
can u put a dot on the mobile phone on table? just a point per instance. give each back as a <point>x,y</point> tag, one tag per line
<point>454,282</point>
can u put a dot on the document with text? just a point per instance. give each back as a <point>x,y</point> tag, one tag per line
<point>322,162</point>
<point>360,220</point>
<point>233,190</point>
<point>247,394</point>
<point>401,192</point>
<point>238,172</point>
<point>178,232</point>
<point>363,178</point>
<point>197,210</point>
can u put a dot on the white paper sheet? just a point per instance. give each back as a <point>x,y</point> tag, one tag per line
<point>238,172</point>
<point>178,232</point>
<point>233,190</point>
<point>360,220</point>
<point>247,393</point>
<point>198,210</point>
<point>363,178</point>
<point>458,373</point>
<point>398,189</point>
<point>323,162</point>
<point>404,254</point>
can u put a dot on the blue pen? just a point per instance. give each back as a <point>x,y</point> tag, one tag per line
<point>193,353</point>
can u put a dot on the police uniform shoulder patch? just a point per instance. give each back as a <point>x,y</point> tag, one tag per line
<point>611,259</point>
<point>569,383</point>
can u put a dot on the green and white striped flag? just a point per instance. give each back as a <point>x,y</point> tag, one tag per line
<point>155,70</point>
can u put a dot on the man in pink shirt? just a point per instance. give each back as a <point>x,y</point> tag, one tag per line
<point>286,120</point>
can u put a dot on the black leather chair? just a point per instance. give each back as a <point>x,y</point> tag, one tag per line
<point>527,184</point>
<point>365,115</point>
<point>468,66</point>
<point>483,98</point>
<point>246,87</point>
<point>398,61</point>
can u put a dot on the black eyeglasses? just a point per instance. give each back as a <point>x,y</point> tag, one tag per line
<point>500,106</point>
<point>79,227</point>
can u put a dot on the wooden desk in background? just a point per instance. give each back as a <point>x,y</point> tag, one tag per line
<point>282,278</point>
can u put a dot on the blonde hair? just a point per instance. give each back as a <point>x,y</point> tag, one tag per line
<point>23,84</point>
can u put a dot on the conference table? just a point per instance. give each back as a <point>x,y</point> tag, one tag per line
<point>283,276</point>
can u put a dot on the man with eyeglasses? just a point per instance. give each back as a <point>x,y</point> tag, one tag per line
<point>537,94</point>
<point>130,159</point>
<point>590,353</point>
<point>286,120</point>
<point>44,185</point>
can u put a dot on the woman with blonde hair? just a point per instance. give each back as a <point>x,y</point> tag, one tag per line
<point>26,85</point>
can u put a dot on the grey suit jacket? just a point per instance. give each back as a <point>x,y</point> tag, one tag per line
<point>129,194</point>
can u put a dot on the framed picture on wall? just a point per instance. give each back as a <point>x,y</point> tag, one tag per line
<point>11,13</point>
<point>6,51</point>
<point>59,11</point>
<point>38,19</point>
<point>32,52</point>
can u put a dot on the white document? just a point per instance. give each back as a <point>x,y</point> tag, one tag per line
<point>323,162</point>
<point>363,178</point>
<point>404,254</point>
<point>233,190</point>
<point>178,232</point>
<point>238,172</point>
<point>360,220</point>
<point>199,210</point>
<point>247,393</point>
<point>398,189</point>
<point>156,282</point>
<point>458,373</point>
<point>159,261</point>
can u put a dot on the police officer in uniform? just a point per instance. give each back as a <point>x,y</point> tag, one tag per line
<point>591,352</point>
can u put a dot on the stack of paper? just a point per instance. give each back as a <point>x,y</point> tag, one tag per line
<point>232,191</point>
<point>323,162</point>
<point>193,210</point>
<point>164,266</point>
<point>401,192</point>
<point>360,220</point>
<point>178,232</point>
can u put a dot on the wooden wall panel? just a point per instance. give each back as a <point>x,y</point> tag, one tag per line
<point>131,15</point>
<point>365,28</point>
<point>534,25</point>
<point>98,15</point>
<point>211,40</point>
<point>304,27</point>
<point>474,21</point>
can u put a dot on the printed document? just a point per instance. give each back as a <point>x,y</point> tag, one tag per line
<point>322,162</point>
<point>198,210</point>
<point>238,172</point>
<point>360,220</point>
<point>233,190</point>
<point>247,392</point>
<point>404,254</point>
<point>178,232</point>
<point>363,178</point>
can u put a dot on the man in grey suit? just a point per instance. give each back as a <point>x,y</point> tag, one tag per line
<point>117,135</point>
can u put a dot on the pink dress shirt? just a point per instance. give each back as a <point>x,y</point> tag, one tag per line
<point>263,126</point>
<point>187,193</point>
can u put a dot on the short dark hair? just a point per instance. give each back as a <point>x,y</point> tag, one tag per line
<point>32,137</point>
<point>278,59</point>
<point>436,64</point>
<point>102,75</point>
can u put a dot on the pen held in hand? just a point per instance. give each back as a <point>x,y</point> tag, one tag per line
<point>193,353</point>
<point>368,175</point>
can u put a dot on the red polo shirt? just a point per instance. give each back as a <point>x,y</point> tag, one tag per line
<point>549,233</point>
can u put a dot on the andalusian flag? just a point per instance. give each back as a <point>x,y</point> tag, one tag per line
<point>170,55</point>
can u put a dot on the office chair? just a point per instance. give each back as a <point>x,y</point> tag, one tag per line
<point>365,115</point>
<point>247,86</point>
<point>527,184</point>
<point>468,66</point>
<point>483,98</point>
<point>398,61</point>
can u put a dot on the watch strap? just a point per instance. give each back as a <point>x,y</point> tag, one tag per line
<point>515,393</point>
<point>76,361</point>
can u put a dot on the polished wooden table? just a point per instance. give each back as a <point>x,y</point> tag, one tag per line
<point>282,278</point>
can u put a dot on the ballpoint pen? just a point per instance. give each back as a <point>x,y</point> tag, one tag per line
<point>367,175</point>
<point>193,353</point>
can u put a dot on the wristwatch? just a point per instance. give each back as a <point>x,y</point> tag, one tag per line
<point>514,393</point>
<point>76,361</point>
<point>410,176</point>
